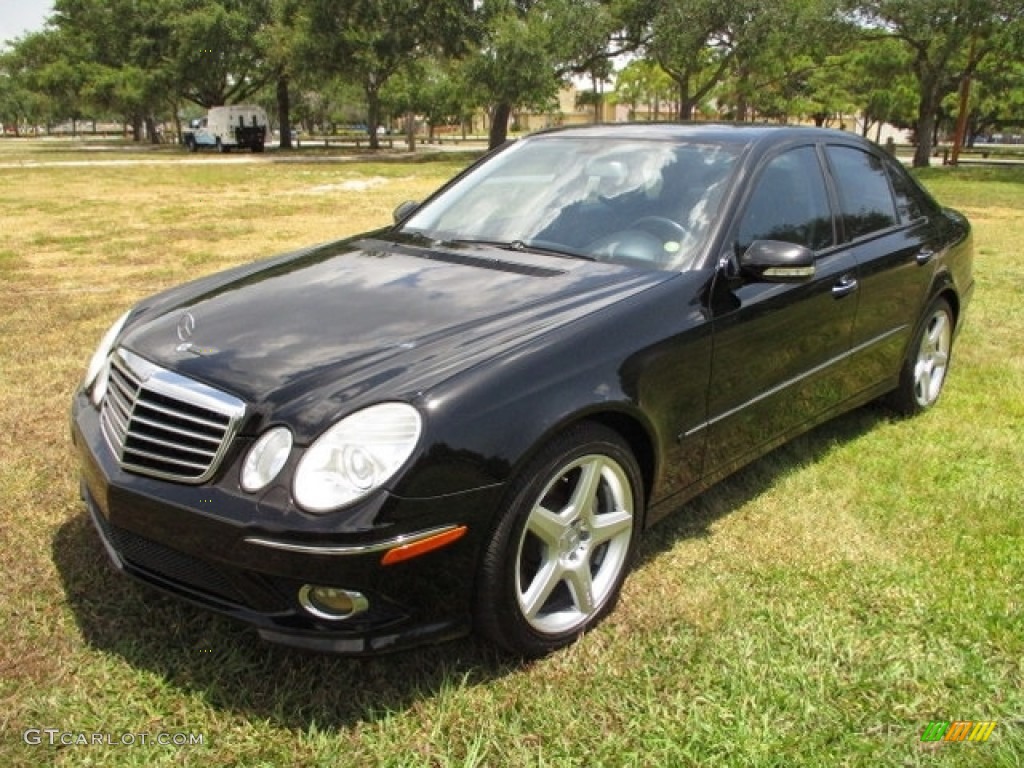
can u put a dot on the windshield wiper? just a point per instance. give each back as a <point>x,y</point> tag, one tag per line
<point>528,246</point>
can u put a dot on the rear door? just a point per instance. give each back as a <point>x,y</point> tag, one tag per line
<point>779,357</point>
<point>884,224</point>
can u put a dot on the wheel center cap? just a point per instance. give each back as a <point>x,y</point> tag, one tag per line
<point>572,539</point>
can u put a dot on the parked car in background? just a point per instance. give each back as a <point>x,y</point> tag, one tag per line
<point>467,419</point>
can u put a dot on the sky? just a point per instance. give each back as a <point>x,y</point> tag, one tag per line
<point>20,16</point>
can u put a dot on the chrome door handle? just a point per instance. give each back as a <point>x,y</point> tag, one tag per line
<point>846,285</point>
<point>924,256</point>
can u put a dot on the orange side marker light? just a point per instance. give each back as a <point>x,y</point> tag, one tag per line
<point>421,547</point>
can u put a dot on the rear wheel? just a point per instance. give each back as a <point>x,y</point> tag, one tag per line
<point>562,547</point>
<point>924,371</point>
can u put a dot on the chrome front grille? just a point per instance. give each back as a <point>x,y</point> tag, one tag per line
<point>163,424</point>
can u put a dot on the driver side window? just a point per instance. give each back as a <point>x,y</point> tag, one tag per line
<point>789,203</point>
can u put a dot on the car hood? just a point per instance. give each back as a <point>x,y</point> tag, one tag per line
<point>310,336</point>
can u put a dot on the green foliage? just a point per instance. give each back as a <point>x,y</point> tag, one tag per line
<point>947,39</point>
<point>644,83</point>
<point>217,51</point>
<point>35,82</point>
<point>695,44</point>
<point>433,88</point>
<point>517,62</point>
<point>895,61</point>
<point>369,41</point>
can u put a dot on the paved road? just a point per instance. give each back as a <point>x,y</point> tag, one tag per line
<point>304,155</point>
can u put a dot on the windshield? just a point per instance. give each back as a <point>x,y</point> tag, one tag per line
<point>629,201</point>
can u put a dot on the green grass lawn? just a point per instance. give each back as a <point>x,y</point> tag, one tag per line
<point>819,608</point>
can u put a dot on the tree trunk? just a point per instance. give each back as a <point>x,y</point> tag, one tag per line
<point>686,104</point>
<point>373,114</point>
<point>925,128</point>
<point>499,125</point>
<point>151,132</point>
<point>742,86</point>
<point>598,98</point>
<point>410,131</point>
<point>284,108</point>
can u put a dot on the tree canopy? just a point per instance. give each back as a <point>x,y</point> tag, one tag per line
<point>370,62</point>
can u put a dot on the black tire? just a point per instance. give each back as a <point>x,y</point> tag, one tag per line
<point>554,567</point>
<point>258,147</point>
<point>191,144</point>
<point>927,362</point>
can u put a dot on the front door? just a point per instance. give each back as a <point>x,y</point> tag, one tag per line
<point>779,349</point>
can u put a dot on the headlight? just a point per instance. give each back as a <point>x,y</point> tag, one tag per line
<point>356,456</point>
<point>96,373</point>
<point>266,458</point>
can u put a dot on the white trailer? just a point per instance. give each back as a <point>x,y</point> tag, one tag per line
<point>225,128</point>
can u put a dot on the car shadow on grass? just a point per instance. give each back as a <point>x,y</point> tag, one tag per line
<point>695,518</point>
<point>225,663</point>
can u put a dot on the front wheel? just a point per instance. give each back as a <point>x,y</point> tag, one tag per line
<point>563,544</point>
<point>924,371</point>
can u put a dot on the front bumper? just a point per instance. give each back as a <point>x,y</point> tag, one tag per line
<point>248,557</point>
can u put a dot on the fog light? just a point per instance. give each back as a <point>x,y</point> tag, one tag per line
<point>331,602</point>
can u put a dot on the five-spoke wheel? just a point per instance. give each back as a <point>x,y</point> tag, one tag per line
<point>561,549</point>
<point>924,371</point>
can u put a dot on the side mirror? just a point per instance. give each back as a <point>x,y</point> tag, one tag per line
<point>774,261</point>
<point>404,211</point>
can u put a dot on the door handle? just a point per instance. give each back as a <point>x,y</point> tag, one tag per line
<point>844,286</point>
<point>924,256</point>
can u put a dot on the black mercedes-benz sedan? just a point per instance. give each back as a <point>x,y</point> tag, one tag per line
<point>467,419</point>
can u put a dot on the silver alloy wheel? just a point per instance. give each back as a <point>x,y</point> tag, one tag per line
<point>575,545</point>
<point>933,358</point>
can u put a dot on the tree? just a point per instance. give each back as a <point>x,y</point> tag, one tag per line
<point>433,88</point>
<point>123,49</point>
<point>642,81</point>
<point>695,43</point>
<point>369,41</point>
<point>279,40</point>
<point>41,83</point>
<point>948,39</point>
<point>513,68</point>
<point>215,49</point>
<point>998,96</point>
<point>20,102</point>
<point>532,47</point>
<point>783,50</point>
<point>875,78</point>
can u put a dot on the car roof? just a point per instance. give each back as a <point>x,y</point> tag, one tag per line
<point>736,134</point>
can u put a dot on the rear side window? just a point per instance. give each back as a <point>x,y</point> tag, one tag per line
<point>911,202</point>
<point>865,198</point>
